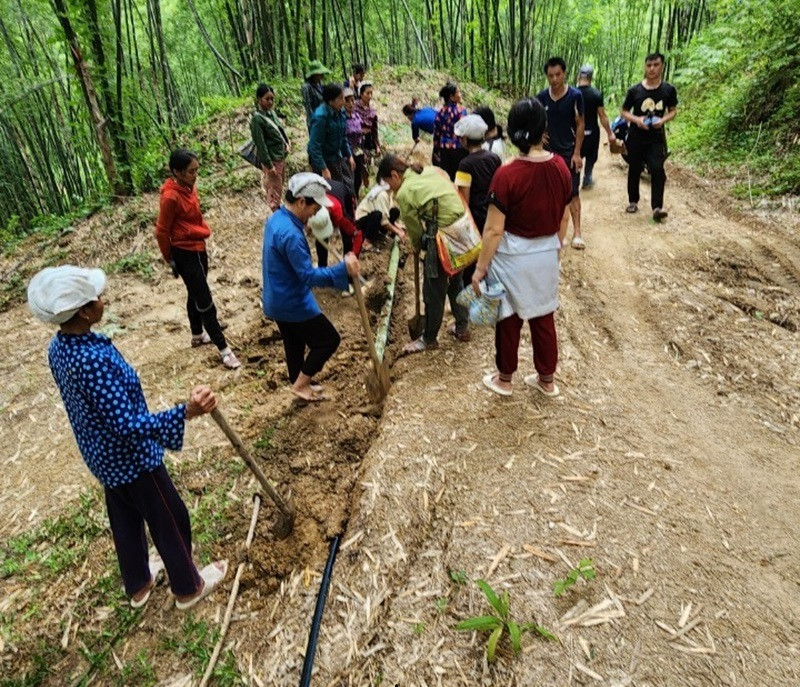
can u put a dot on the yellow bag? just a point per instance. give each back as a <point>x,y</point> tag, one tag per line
<point>458,245</point>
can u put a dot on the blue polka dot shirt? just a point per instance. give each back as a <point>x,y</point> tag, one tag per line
<point>117,435</point>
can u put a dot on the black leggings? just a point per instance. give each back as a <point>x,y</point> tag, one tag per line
<point>369,225</point>
<point>360,173</point>
<point>193,268</point>
<point>321,338</point>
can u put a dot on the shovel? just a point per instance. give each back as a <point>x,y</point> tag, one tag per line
<point>416,324</point>
<point>377,378</point>
<point>411,152</point>
<point>284,525</point>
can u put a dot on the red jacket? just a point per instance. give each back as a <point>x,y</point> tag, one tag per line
<point>180,222</point>
<point>342,223</point>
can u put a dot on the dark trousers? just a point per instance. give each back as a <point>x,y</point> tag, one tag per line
<point>653,154</point>
<point>152,498</point>
<point>316,334</point>
<point>589,152</point>
<point>449,159</point>
<point>193,268</point>
<point>360,175</point>
<point>370,225</point>
<point>434,292</point>
<point>341,172</point>
<point>544,340</point>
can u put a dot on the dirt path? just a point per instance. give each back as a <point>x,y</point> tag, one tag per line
<point>669,460</point>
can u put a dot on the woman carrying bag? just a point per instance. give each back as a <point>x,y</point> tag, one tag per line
<point>272,145</point>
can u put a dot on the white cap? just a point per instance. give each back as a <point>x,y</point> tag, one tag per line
<point>472,126</point>
<point>321,225</point>
<point>311,186</point>
<point>348,93</point>
<point>56,293</point>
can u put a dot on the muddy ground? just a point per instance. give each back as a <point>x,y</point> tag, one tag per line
<point>669,461</point>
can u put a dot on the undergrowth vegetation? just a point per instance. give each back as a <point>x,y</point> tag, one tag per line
<point>739,88</point>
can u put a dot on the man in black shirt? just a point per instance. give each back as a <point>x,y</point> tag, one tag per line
<point>647,107</point>
<point>564,137</point>
<point>593,107</point>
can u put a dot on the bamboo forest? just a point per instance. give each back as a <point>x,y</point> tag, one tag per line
<point>91,90</point>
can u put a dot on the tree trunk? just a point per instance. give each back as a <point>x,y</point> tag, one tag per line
<point>90,97</point>
<point>116,125</point>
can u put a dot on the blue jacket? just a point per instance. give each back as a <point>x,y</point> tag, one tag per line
<point>118,437</point>
<point>288,274</point>
<point>423,120</point>
<point>327,139</point>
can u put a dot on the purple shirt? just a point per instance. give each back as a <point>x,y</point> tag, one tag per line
<point>355,136</point>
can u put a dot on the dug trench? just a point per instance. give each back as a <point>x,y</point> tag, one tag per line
<point>72,625</point>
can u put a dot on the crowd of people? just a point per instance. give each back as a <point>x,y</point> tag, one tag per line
<point>480,217</point>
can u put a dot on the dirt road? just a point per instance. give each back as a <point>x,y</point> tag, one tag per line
<point>669,460</point>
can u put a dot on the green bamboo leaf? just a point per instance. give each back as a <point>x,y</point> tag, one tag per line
<point>483,623</point>
<point>491,645</point>
<point>516,636</point>
<point>492,598</point>
<point>545,632</point>
<point>506,601</point>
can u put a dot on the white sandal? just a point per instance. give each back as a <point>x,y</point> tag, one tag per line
<point>230,361</point>
<point>533,380</point>
<point>212,577</point>
<point>490,383</point>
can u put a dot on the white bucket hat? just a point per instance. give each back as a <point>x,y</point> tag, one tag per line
<point>321,225</point>
<point>307,184</point>
<point>472,127</point>
<point>56,293</point>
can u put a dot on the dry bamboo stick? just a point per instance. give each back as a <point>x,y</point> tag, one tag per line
<point>226,621</point>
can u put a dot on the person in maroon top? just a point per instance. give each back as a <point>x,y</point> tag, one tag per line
<point>527,199</point>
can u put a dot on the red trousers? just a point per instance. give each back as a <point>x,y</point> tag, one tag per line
<point>543,337</point>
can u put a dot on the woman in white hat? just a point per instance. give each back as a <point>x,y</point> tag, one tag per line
<point>288,277</point>
<point>475,172</point>
<point>121,441</point>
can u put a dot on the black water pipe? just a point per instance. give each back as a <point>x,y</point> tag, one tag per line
<point>313,633</point>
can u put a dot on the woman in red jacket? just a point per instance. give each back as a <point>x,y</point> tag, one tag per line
<point>181,232</point>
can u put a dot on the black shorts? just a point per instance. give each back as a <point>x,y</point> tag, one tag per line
<point>576,177</point>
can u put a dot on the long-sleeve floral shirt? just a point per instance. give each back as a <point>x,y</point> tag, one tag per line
<point>369,125</point>
<point>443,124</point>
<point>355,135</point>
<point>119,438</point>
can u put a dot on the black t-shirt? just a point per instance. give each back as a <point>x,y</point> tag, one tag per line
<point>645,102</point>
<point>592,101</point>
<point>476,172</point>
<point>561,115</point>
